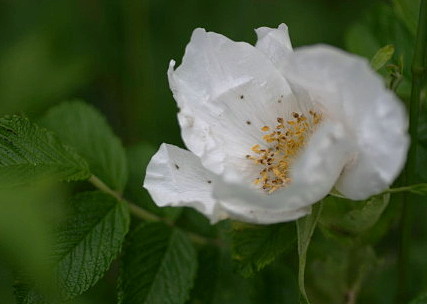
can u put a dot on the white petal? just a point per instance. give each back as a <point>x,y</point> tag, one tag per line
<point>383,145</point>
<point>226,91</point>
<point>175,177</point>
<point>349,91</point>
<point>315,173</point>
<point>275,43</point>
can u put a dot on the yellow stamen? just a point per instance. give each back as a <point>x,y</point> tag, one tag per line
<point>284,143</point>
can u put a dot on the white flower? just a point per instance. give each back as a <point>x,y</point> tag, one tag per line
<point>270,131</point>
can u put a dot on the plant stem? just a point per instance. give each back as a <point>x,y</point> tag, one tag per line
<point>94,180</point>
<point>418,72</point>
<point>305,230</point>
<point>397,190</point>
<point>146,215</point>
<point>411,188</point>
<point>133,208</point>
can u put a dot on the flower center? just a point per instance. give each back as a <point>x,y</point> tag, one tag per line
<point>284,142</point>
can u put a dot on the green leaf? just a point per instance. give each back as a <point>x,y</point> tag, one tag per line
<point>27,151</point>
<point>85,129</point>
<point>159,266</point>
<point>254,247</point>
<point>336,271</point>
<point>217,280</point>
<point>24,294</point>
<point>277,283</point>
<point>382,56</point>
<point>346,219</point>
<point>207,277</point>
<point>305,230</point>
<point>88,241</point>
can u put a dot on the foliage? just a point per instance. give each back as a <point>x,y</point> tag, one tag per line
<point>75,224</point>
<point>351,220</point>
<point>382,56</point>
<point>79,125</point>
<point>88,241</point>
<point>27,151</point>
<point>159,266</point>
<point>254,247</point>
<point>305,230</point>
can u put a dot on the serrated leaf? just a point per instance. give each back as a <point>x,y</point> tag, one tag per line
<point>346,219</point>
<point>24,294</point>
<point>82,127</point>
<point>305,230</point>
<point>382,56</point>
<point>159,266</point>
<point>89,241</point>
<point>86,243</point>
<point>27,152</point>
<point>254,247</point>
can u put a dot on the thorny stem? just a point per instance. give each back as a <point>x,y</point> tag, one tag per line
<point>145,215</point>
<point>418,72</point>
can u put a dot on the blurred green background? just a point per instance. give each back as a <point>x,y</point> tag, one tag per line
<point>114,54</point>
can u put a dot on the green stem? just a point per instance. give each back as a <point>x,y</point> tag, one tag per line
<point>397,190</point>
<point>305,230</point>
<point>420,189</point>
<point>134,209</point>
<point>145,215</point>
<point>418,71</point>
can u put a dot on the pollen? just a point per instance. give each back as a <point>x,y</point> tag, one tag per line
<point>283,143</point>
